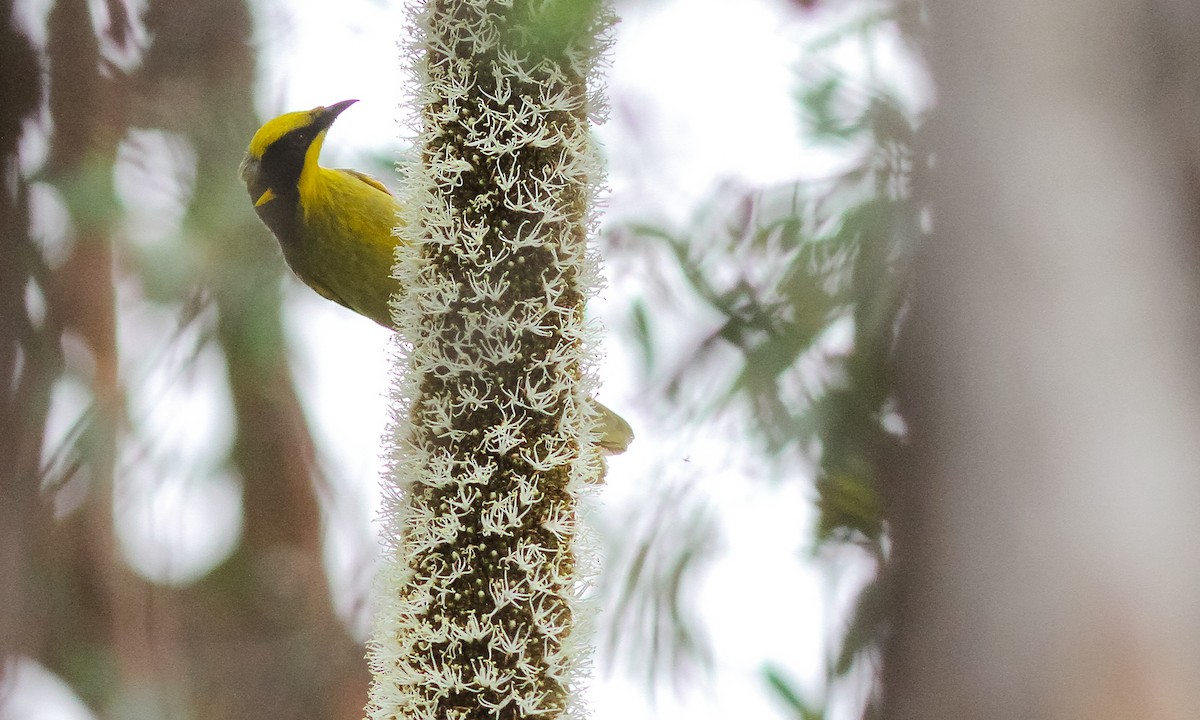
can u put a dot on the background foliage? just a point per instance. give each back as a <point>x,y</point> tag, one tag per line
<point>805,282</point>
<point>101,315</point>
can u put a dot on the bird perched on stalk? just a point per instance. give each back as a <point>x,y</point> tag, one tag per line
<point>335,225</point>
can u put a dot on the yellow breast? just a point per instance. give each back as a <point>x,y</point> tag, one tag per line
<point>348,249</point>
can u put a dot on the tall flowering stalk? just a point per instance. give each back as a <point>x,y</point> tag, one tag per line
<point>480,612</point>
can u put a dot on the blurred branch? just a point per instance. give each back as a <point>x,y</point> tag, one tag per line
<point>651,623</point>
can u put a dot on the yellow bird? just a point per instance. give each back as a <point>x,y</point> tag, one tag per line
<point>335,225</point>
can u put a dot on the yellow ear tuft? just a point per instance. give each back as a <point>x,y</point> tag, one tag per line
<point>265,198</point>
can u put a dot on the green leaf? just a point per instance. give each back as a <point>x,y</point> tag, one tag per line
<point>642,334</point>
<point>847,502</point>
<point>784,688</point>
<point>867,627</point>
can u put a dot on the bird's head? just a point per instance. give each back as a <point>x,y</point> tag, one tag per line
<point>283,148</point>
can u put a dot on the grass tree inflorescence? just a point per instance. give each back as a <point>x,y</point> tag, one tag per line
<point>480,611</point>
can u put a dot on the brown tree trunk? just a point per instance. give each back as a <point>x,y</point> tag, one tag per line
<point>1046,534</point>
<point>28,357</point>
<point>259,636</point>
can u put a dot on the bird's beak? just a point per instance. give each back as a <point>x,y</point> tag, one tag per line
<point>329,113</point>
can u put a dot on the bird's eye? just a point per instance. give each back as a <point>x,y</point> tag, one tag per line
<point>297,141</point>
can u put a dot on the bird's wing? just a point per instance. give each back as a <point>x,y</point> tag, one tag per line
<point>615,433</point>
<point>326,293</point>
<point>367,179</point>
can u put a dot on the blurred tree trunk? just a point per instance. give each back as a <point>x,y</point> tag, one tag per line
<point>1046,533</point>
<point>91,621</point>
<point>260,634</point>
<point>29,359</point>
